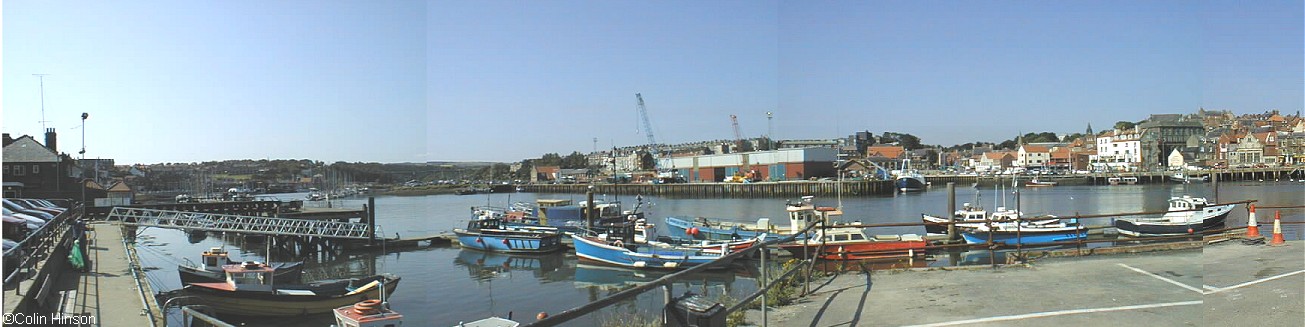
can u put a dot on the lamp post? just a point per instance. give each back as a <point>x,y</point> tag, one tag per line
<point>83,154</point>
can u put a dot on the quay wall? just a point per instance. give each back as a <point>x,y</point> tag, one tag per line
<point>854,188</point>
<point>726,190</point>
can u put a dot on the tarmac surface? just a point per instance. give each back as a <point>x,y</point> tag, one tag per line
<point>1222,284</point>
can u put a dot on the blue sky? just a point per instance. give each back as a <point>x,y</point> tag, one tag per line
<point>507,80</point>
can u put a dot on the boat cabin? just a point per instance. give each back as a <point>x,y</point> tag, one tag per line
<point>249,275</point>
<point>549,203</point>
<point>1187,202</point>
<point>369,313</point>
<point>214,257</point>
<point>485,224</point>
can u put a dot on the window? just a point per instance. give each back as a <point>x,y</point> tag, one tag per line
<point>36,169</point>
<point>6,170</point>
<point>18,171</point>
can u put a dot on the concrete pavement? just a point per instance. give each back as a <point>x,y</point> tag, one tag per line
<point>1222,284</point>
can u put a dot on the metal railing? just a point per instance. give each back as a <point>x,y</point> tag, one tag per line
<point>241,224</point>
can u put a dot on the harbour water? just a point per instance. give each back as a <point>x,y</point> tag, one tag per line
<point>443,286</point>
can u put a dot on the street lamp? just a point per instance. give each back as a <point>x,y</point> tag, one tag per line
<point>83,154</point>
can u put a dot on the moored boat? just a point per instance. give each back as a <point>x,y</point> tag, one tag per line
<point>851,243</point>
<point>909,180</point>
<point>249,291</point>
<point>643,257</point>
<point>1187,215</point>
<point>210,269</point>
<point>1026,232</point>
<point>1039,183</point>
<point>1183,177</point>
<point>800,214</point>
<point>489,234</point>
<point>1125,180</point>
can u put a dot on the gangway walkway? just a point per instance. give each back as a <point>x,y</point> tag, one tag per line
<point>240,224</point>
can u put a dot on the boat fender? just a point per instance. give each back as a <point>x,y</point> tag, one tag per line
<point>505,241</point>
<point>618,244</point>
<point>479,240</point>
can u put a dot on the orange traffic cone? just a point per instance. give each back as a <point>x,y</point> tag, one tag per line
<point>1277,230</point>
<point>1252,227</point>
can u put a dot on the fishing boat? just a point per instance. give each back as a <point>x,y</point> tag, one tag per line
<point>570,218</point>
<point>800,214</point>
<point>851,243</point>
<point>969,216</point>
<point>489,234</point>
<point>1187,215</point>
<point>210,269</point>
<point>249,291</point>
<point>367,313</point>
<point>1026,232</point>
<point>909,180</point>
<point>1117,180</point>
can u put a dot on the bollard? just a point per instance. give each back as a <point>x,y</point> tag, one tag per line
<point>1277,230</point>
<point>1252,227</point>
<point>951,211</point>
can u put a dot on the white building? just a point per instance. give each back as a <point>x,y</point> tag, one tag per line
<point>1031,156</point>
<point>1118,150</point>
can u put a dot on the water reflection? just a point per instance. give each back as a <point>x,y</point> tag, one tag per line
<point>483,266</point>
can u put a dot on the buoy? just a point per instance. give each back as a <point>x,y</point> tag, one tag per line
<point>1252,227</point>
<point>541,316</point>
<point>1277,230</point>
<point>691,231</point>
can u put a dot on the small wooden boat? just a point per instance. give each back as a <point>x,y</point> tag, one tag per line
<point>210,269</point>
<point>1187,215</point>
<point>367,313</point>
<point>489,234</point>
<point>1037,183</point>
<point>851,243</point>
<point>249,291</point>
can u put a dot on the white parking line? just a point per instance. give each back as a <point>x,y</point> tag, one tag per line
<point>1217,289</point>
<point>1162,278</point>
<point>1060,313</point>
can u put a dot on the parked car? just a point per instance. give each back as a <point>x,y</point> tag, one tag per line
<point>15,207</point>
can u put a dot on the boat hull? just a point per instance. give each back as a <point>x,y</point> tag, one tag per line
<point>598,251</point>
<point>1026,236</point>
<point>509,241</point>
<point>910,184</point>
<point>1161,228</point>
<point>266,303</point>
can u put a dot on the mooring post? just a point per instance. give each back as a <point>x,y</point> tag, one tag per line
<point>371,220</point>
<point>766,283</point>
<point>951,210</point>
<point>589,207</point>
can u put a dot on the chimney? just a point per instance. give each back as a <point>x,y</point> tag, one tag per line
<point>8,139</point>
<point>50,141</point>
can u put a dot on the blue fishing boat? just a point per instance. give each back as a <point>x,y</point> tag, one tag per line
<point>490,235</point>
<point>1027,232</point>
<point>618,253</point>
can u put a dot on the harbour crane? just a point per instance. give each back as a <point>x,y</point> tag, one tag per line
<point>746,174</point>
<point>663,175</point>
